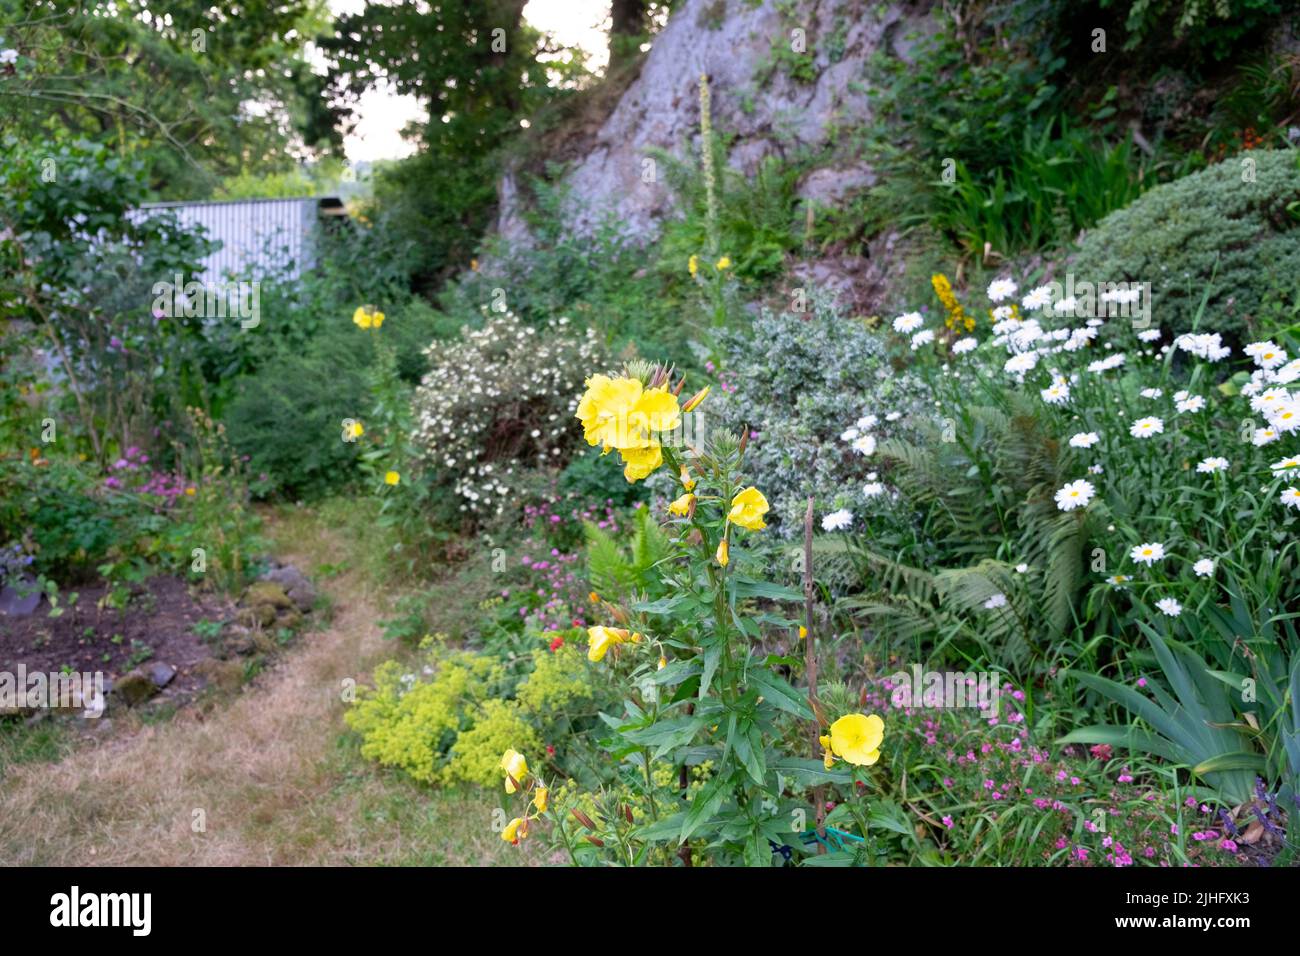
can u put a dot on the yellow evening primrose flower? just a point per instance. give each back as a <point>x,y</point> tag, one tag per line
<point>516,830</point>
<point>682,506</point>
<point>856,738</point>
<point>361,317</point>
<point>639,463</point>
<point>693,265</point>
<point>747,509</point>
<point>540,798</point>
<point>516,768</point>
<point>601,639</point>
<point>620,413</point>
<point>724,263</point>
<point>724,553</point>
<point>803,632</point>
<point>687,481</point>
<point>392,478</point>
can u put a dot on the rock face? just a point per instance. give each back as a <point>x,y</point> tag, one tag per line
<point>765,92</point>
<point>299,590</point>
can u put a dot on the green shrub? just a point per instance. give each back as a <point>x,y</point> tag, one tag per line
<point>800,382</point>
<point>1214,233</point>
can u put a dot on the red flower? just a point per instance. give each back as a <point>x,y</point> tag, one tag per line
<point>550,750</point>
<point>557,643</point>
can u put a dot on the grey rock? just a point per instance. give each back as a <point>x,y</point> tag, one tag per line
<point>19,602</point>
<point>134,688</point>
<point>296,585</point>
<point>161,674</point>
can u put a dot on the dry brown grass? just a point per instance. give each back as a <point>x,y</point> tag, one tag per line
<point>273,771</point>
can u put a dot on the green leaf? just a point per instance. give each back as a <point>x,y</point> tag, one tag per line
<point>809,773</point>
<point>778,692</point>
<point>705,804</point>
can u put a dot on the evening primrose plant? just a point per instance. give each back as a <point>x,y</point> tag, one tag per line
<point>698,691</point>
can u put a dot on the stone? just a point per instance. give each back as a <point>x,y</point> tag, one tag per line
<point>134,688</point>
<point>266,592</point>
<point>19,601</point>
<point>161,674</point>
<point>296,585</point>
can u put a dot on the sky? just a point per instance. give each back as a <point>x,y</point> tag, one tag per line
<point>384,112</point>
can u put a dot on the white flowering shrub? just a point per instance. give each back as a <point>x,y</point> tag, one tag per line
<point>495,407</point>
<point>818,393</point>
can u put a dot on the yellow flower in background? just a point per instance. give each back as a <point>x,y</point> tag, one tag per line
<point>540,798</point>
<point>687,481</point>
<point>392,478</point>
<point>856,738</point>
<point>682,506</point>
<point>367,319</point>
<point>748,508</point>
<point>191,491</point>
<point>724,263</point>
<point>663,662</point>
<point>693,265</point>
<point>516,830</point>
<point>724,553</point>
<point>601,639</point>
<point>516,768</point>
<point>803,632</point>
<point>828,758</point>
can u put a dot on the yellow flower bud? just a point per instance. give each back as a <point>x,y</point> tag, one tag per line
<point>540,799</point>
<point>724,553</point>
<point>683,506</point>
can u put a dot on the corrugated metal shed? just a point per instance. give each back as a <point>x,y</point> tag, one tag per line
<point>257,236</point>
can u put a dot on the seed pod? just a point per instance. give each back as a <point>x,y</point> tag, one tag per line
<point>584,819</point>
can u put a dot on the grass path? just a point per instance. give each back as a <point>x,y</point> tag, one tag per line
<point>272,773</point>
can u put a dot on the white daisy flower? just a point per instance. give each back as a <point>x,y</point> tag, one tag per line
<point>1286,417</point>
<point>1285,465</point>
<point>996,601</point>
<point>1118,580</point>
<point>908,322</point>
<point>1075,494</point>
<point>1265,401</point>
<point>1148,553</point>
<point>1037,298</point>
<point>1000,289</point>
<point>1020,364</point>
<point>1084,439</point>
<point>964,345</point>
<point>1151,392</point>
<point>867,422</point>
<point>873,489</point>
<point>1193,403</point>
<point>1149,335</point>
<point>1095,469</point>
<point>893,416</point>
<point>1266,354</point>
<point>1204,567</point>
<point>1057,394</point>
<point>1022,568</point>
<point>1003,313</point>
<point>1263,436</point>
<point>1208,466</point>
<point>1169,607</point>
<point>849,434</point>
<point>1290,497</point>
<point>924,337</point>
<point>837,520</point>
<point>865,445</point>
<point>1146,427</point>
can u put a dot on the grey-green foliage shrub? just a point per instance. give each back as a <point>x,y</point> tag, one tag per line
<point>800,381</point>
<point>1214,223</point>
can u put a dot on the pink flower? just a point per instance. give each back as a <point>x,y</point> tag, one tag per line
<point>947,821</point>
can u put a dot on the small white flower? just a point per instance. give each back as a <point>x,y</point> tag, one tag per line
<point>1095,469</point>
<point>1290,497</point>
<point>1022,568</point>
<point>893,416</point>
<point>8,56</point>
<point>1037,298</point>
<point>865,445</point>
<point>867,422</point>
<point>1146,427</point>
<point>1057,394</point>
<point>1192,403</point>
<point>873,489</point>
<point>962,346</point>
<point>1286,417</point>
<point>1151,392</point>
<point>1263,436</point>
<point>1148,553</point>
<point>837,520</point>
<point>849,434</point>
<point>908,322</point>
<point>1150,335</point>
<point>924,337</point>
<point>1204,567</point>
<point>1208,466</point>
<point>1169,607</point>
<point>1075,494</point>
<point>1084,440</point>
<point>1000,289</point>
<point>1285,465</point>
<point>996,601</point>
<point>1118,580</point>
<point>1020,364</point>
<point>1266,354</point>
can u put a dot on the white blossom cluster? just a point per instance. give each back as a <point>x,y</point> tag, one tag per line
<point>498,403</point>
